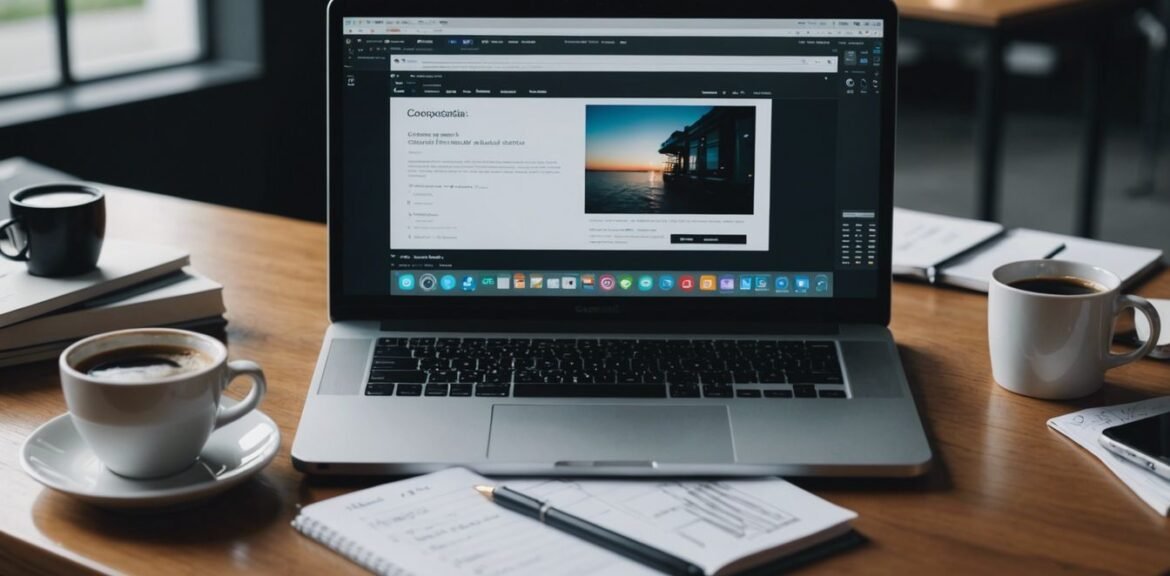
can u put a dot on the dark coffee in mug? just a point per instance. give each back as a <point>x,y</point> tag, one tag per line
<point>144,363</point>
<point>1059,285</point>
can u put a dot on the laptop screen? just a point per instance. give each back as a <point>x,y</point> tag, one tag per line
<point>611,157</point>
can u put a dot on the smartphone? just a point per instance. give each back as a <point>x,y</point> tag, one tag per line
<point>1144,442</point>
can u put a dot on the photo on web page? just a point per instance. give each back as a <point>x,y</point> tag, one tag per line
<point>669,159</point>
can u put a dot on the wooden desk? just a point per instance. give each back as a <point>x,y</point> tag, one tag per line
<point>1005,494</point>
<point>1085,24</point>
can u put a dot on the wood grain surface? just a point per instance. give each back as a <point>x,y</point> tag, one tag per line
<point>1006,494</point>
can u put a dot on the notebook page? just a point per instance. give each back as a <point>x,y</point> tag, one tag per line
<point>922,240</point>
<point>439,524</point>
<point>711,524</point>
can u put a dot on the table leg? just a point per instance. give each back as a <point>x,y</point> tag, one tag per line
<point>989,125</point>
<point>1094,115</point>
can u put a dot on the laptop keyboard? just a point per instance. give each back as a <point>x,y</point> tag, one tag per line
<point>605,368</point>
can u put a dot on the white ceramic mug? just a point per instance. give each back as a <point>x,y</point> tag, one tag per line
<point>1057,346</point>
<point>155,427</point>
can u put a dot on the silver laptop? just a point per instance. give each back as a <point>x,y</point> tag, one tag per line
<point>581,238</point>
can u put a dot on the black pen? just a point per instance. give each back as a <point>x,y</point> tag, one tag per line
<point>612,541</point>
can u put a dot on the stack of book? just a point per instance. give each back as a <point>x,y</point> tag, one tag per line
<point>134,286</point>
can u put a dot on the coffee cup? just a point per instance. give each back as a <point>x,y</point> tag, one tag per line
<point>147,400</point>
<point>57,229</point>
<point>1050,327</point>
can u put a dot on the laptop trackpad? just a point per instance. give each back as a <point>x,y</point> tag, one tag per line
<point>610,433</point>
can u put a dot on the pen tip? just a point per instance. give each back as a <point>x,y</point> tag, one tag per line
<point>487,491</point>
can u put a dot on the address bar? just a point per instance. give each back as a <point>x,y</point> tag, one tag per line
<point>615,63</point>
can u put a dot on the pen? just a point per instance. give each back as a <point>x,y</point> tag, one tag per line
<point>589,531</point>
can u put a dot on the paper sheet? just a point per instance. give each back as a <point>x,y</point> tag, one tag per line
<point>973,271</point>
<point>922,240</point>
<point>1085,427</point>
<point>710,523</point>
<point>439,524</point>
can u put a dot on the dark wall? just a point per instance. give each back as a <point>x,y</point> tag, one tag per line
<point>257,144</point>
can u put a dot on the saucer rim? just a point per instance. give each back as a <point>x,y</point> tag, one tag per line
<point>193,490</point>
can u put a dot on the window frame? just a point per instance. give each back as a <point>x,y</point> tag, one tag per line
<point>65,76</point>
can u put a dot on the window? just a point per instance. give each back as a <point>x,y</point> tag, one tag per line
<point>50,43</point>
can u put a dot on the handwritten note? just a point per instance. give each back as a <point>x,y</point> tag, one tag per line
<point>710,523</point>
<point>438,524</point>
<point>1085,427</point>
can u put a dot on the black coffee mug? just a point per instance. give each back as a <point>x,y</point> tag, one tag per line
<point>57,229</point>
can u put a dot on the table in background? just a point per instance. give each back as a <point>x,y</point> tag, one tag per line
<point>992,23</point>
<point>1005,493</point>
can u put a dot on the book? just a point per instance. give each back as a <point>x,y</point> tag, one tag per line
<point>439,524</point>
<point>122,264</point>
<point>963,253</point>
<point>177,297</point>
<point>213,326</point>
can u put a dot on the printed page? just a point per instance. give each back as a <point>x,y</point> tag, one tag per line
<point>1085,427</point>
<point>923,240</point>
<point>711,524</point>
<point>439,524</point>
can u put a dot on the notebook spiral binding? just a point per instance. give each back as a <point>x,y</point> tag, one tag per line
<point>347,548</point>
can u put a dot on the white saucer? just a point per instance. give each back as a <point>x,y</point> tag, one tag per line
<point>56,456</point>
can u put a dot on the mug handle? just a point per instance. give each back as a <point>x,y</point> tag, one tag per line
<point>1141,305</point>
<point>20,256</point>
<point>252,400</point>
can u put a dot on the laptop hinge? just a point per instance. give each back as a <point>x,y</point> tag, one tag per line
<point>611,327</point>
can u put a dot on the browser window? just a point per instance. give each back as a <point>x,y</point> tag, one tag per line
<point>587,157</point>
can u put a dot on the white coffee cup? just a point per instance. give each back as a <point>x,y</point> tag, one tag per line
<point>151,425</point>
<point>1056,346</point>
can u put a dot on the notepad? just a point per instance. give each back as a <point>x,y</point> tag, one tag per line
<point>963,253</point>
<point>438,524</point>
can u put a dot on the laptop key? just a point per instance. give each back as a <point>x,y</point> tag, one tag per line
<point>716,391</point>
<point>391,341</point>
<point>409,389</point>
<point>777,393</point>
<point>395,363</point>
<point>749,393</point>
<point>589,391</point>
<point>379,389</point>
<point>493,390</point>
<point>391,351</point>
<point>398,376</point>
<point>436,390</point>
<point>805,391</point>
<point>684,391</point>
<point>832,394</point>
<point>461,390</point>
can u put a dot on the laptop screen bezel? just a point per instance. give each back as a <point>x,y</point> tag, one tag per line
<point>780,310</point>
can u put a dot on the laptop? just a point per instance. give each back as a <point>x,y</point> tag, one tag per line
<point>583,238</point>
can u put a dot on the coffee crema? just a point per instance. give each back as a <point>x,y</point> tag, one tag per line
<point>139,364</point>
<point>1059,285</point>
<point>62,199</point>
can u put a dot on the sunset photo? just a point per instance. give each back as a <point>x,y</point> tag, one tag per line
<point>663,159</point>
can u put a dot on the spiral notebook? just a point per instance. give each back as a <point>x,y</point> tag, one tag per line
<point>438,524</point>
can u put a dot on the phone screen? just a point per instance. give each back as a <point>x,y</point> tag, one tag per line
<point>1150,436</point>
